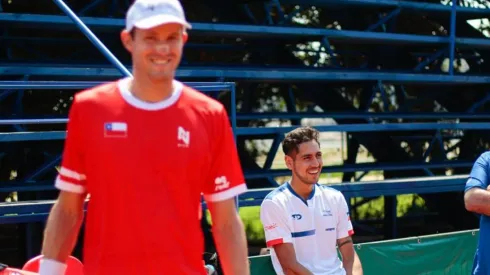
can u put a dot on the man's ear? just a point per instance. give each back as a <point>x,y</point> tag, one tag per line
<point>185,36</point>
<point>289,162</point>
<point>127,40</point>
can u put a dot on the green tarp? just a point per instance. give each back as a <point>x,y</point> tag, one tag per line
<point>435,254</point>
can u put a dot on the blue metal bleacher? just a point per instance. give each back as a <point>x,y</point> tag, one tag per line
<point>317,84</point>
<point>245,73</point>
<point>257,74</point>
<point>37,211</point>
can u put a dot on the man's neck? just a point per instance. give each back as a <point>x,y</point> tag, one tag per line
<point>302,189</point>
<point>147,90</point>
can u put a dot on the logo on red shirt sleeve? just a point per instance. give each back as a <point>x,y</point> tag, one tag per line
<point>221,183</point>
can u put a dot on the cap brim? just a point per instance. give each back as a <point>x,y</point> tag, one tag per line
<point>158,20</point>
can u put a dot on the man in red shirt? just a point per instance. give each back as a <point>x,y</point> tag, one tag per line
<point>145,148</point>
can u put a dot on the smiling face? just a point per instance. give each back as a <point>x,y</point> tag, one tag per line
<point>306,163</point>
<point>302,155</point>
<point>156,52</point>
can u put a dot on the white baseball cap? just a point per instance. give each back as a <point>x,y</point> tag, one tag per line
<point>145,14</point>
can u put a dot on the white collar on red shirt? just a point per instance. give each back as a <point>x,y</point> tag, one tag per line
<point>123,86</point>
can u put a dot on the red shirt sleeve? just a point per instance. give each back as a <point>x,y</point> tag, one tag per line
<point>225,178</point>
<point>71,176</point>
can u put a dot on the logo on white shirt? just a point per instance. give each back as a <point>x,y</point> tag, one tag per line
<point>326,213</point>
<point>270,227</point>
<point>221,183</point>
<point>183,137</point>
<point>296,217</point>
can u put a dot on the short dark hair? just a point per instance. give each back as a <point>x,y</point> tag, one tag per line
<point>297,136</point>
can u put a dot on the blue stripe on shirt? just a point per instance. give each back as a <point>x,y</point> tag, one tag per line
<point>303,233</point>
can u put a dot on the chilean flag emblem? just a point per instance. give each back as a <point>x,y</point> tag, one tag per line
<point>115,129</point>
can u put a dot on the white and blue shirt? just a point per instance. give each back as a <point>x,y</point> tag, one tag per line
<point>313,226</point>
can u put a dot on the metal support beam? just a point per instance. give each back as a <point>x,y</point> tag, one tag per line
<point>273,151</point>
<point>326,43</point>
<point>245,131</point>
<point>478,104</point>
<point>43,169</point>
<point>268,10</point>
<point>384,19</point>
<point>405,5</point>
<point>233,107</point>
<point>364,115</point>
<point>249,13</point>
<point>431,58</point>
<point>424,185</point>
<point>370,127</point>
<point>291,105</point>
<point>358,178</point>
<point>452,37</point>
<point>91,36</point>
<point>384,96</point>
<point>287,18</point>
<point>4,94</point>
<point>90,6</point>
<point>364,167</point>
<point>268,6</point>
<point>299,115</point>
<point>75,85</point>
<point>272,182</point>
<point>287,75</point>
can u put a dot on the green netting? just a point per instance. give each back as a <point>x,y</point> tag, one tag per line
<point>435,254</point>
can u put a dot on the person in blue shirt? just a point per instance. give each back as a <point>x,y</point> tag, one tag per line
<point>477,200</point>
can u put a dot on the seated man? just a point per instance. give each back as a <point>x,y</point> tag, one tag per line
<point>304,221</point>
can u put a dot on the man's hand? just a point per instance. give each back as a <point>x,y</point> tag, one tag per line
<point>229,235</point>
<point>350,260</point>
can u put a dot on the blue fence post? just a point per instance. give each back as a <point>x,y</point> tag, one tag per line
<point>91,36</point>
<point>233,107</point>
<point>233,125</point>
<point>452,37</point>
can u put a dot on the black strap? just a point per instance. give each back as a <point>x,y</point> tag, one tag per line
<point>345,242</point>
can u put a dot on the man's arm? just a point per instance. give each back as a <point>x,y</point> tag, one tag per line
<point>477,194</point>
<point>478,200</point>
<point>350,260</point>
<point>66,216</point>
<point>287,258</point>
<point>62,230</point>
<point>225,181</point>
<point>229,236</point>
<point>278,237</point>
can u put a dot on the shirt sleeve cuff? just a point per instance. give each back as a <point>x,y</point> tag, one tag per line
<point>472,183</point>
<point>68,186</point>
<point>51,267</point>
<point>227,194</point>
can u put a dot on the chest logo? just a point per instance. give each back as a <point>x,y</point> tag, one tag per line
<point>115,129</point>
<point>326,213</point>
<point>296,217</point>
<point>183,137</point>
